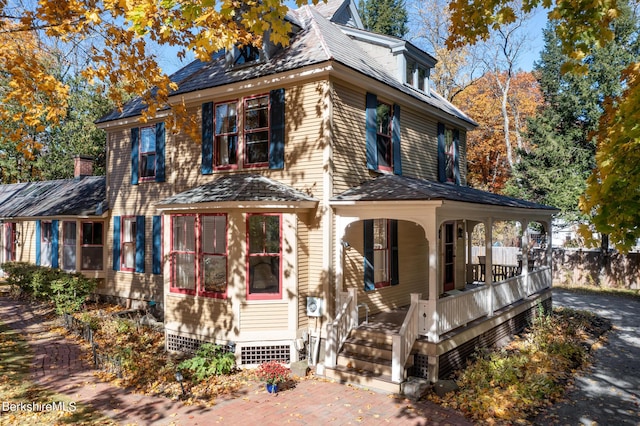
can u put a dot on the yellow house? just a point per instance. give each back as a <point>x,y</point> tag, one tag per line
<point>324,213</point>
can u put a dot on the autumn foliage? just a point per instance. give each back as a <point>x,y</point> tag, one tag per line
<point>487,164</point>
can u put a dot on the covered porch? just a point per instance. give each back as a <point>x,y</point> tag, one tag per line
<point>453,293</point>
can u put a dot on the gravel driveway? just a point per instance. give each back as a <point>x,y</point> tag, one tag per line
<point>608,393</point>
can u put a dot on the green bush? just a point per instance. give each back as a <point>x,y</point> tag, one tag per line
<point>209,360</point>
<point>19,275</point>
<point>68,291</point>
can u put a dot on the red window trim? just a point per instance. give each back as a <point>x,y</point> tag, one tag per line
<point>245,161</point>
<point>198,255</point>
<point>123,268</point>
<point>172,252</point>
<point>264,296</point>
<point>201,254</point>
<point>140,155</point>
<point>11,229</point>
<point>237,133</point>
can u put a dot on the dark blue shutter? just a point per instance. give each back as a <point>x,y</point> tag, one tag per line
<point>395,140</point>
<point>116,243</point>
<point>160,152</point>
<point>276,144</point>
<point>393,237</point>
<point>135,148</point>
<point>38,242</point>
<point>372,134</point>
<point>157,244</point>
<point>456,155</point>
<point>369,280</point>
<point>442,160</point>
<point>139,243</point>
<point>55,262</point>
<point>207,138</point>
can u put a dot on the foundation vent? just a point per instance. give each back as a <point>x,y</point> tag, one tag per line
<point>259,354</point>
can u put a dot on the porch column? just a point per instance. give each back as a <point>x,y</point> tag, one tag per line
<point>468,241</point>
<point>488,273</point>
<point>524,243</point>
<point>432,315</point>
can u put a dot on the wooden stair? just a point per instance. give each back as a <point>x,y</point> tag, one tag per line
<point>365,360</point>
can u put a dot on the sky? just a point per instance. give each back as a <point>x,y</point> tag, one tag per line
<point>170,63</point>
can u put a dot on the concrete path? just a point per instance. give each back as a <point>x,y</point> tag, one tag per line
<point>58,366</point>
<point>608,393</point>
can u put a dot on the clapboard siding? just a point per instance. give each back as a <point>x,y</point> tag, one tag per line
<point>303,273</point>
<point>264,316</point>
<point>201,316</point>
<point>413,268</point>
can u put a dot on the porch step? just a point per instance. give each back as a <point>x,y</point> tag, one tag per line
<point>367,347</point>
<point>363,378</point>
<point>363,333</point>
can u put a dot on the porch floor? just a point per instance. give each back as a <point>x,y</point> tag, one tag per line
<point>388,322</point>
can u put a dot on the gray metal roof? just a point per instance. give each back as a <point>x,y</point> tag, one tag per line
<point>239,187</point>
<point>402,188</point>
<point>83,196</point>
<point>319,41</point>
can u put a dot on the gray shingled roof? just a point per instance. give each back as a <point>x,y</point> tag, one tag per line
<point>83,196</point>
<point>239,187</point>
<point>319,41</point>
<point>402,188</point>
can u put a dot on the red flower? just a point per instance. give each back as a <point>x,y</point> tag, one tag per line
<point>273,372</point>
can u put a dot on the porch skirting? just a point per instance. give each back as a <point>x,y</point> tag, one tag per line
<point>456,347</point>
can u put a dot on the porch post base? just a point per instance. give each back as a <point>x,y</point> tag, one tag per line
<point>433,368</point>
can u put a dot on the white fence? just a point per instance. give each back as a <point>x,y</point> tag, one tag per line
<point>500,255</point>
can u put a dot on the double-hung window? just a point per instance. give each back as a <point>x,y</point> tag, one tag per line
<point>265,256</point>
<point>226,134</point>
<point>383,136</point>
<point>448,154</point>
<point>382,123</point>
<point>69,246</point>
<point>92,246</point>
<point>199,254</point>
<point>380,253</point>
<point>247,133</point>
<point>129,232</point>
<point>147,153</point>
<point>45,243</point>
<point>256,131</point>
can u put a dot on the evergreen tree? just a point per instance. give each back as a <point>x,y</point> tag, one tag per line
<point>554,171</point>
<point>384,16</point>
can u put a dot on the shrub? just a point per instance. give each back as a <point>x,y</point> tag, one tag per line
<point>19,275</point>
<point>209,360</point>
<point>70,291</point>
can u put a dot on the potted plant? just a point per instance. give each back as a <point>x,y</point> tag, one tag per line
<point>272,373</point>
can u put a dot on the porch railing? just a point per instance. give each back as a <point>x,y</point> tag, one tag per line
<point>460,309</point>
<point>539,279</point>
<point>404,340</point>
<point>346,319</point>
<point>509,291</point>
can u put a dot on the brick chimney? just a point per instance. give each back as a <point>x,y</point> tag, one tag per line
<point>82,166</point>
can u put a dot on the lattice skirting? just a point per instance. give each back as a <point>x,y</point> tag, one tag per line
<point>249,355</point>
<point>456,358</point>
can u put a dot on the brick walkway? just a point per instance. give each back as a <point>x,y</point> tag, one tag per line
<point>58,366</point>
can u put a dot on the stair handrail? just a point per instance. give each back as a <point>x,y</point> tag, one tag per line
<point>402,343</point>
<point>346,319</point>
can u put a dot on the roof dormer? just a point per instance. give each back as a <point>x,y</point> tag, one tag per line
<point>409,64</point>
